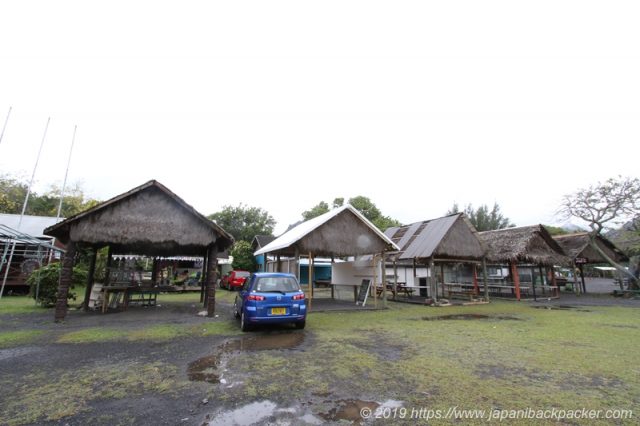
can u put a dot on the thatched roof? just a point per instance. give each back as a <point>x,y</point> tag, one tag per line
<point>340,232</point>
<point>149,219</point>
<point>260,241</point>
<point>578,245</point>
<point>451,237</point>
<point>526,244</point>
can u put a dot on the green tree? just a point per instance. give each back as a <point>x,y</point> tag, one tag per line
<point>338,202</point>
<point>244,222</point>
<point>13,192</point>
<point>319,209</point>
<point>557,230</point>
<point>243,257</point>
<point>603,205</point>
<point>44,282</point>
<point>483,218</point>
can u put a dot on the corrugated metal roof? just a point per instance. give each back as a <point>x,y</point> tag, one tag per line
<point>297,233</point>
<point>32,225</point>
<point>422,238</point>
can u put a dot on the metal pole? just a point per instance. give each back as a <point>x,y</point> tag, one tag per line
<point>24,206</point>
<point>6,120</point>
<point>66,173</point>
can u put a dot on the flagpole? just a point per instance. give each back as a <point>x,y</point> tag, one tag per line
<point>66,173</point>
<point>24,207</point>
<point>5,124</point>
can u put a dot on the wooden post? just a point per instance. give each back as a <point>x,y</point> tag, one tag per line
<point>278,268</point>
<point>554,282</point>
<point>203,294</point>
<point>516,279</point>
<point>383,271</point>
<point>476,289</point>
<point>154,272</point>
<point>212,276</point>
<point>297,262</point>
<point>533,282</point>
<point>374,285</point>
<point>395,279</point>
<point>107,273</point>
<point>310,279</point>
<point>576,286</point>
<point>66,274</point>
<point>442,277</point>
<point>584,286</point>
<point>92,271</point>
<point>485,280</point>
<point>432,280</point>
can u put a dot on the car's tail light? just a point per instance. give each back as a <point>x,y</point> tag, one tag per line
<point>298,296</point>
<point>255,297</point>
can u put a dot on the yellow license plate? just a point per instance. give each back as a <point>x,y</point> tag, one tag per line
<point>278,311</point>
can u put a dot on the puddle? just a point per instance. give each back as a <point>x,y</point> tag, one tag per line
<point>561,308</point>
<point>349,410</point>
<point>209,368</point>
<point>260,411</point>
<point>468,317</point>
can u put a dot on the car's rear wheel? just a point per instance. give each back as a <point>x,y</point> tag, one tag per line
<point>244,325</point>
<point>300,325</point>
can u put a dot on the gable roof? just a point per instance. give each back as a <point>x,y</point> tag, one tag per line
<point>260,241</point>
<point>530,244</point>
<point>451,237</point>
<point>149,219</point>
<point>578,245</point>
<point>342,231</point>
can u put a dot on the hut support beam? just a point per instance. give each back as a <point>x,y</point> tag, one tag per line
<point>92,272</point>
<point>66,273</point>
<point>433,286</point>
<point>485,280</point>
<point>311,266</point>
<point>533,282</point>
<point>395,279</point>
<point>383,272</point>
<point>516,279</point>
<point>212,272</point>
<point>476,289</point>
<point>584,286</point>
<point>203,280</point>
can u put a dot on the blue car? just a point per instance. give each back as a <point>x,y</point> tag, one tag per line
<point>270,298</point>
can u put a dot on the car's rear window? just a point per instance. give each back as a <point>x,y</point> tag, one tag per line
<point>242,274</point>
<point>277,284</point>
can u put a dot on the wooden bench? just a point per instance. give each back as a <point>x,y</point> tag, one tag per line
<point>145,297</point>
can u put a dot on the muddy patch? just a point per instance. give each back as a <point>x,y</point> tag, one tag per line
<point>209,368</point>
<point>561,308</point>
<point>16,352</point>
<point>469,317</point>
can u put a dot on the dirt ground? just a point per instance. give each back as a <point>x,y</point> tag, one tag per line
<point>142,367</point>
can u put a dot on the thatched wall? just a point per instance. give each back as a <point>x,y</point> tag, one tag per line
<point>527,244</point>
<point>578,245</point>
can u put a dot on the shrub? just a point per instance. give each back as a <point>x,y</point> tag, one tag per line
<point>49,276</point>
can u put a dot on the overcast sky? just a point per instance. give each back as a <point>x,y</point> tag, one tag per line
<point>281,105</point>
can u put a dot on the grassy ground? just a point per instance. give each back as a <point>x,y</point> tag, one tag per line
<point>509,356</point>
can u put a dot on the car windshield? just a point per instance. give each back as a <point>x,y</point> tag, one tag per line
<point>242,274</point>
<point>277,284</point>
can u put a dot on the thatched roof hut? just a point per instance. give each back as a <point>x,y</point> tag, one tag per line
<point>340,232</point>
<point>148,220</point>
<point>451,237</point>
<point>578,246</point>
<point>526,244</point>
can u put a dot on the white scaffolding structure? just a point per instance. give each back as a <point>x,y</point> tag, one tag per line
<point>24,251</point>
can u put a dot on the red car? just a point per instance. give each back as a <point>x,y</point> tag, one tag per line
<point>234,280</point>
